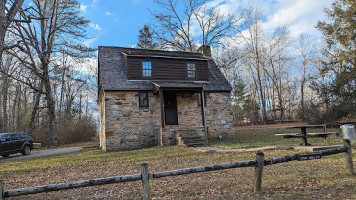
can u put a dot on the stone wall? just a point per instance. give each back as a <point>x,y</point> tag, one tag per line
<point>219,116</point>
<point>124,125</point>
<point>189,111</point>
<point>128,126</point>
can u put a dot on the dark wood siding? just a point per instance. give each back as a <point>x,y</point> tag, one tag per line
<point>166,69</point>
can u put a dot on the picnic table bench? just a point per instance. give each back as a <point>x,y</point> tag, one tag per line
<point>304,133</point>
<point>289,135</point>
<point>321,134</point>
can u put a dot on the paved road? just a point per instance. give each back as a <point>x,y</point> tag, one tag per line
<point>38,153</point>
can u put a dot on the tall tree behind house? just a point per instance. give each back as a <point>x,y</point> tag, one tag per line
<point>145,40</point>
<point>263,57</point>
<point>305,50</point>
<point>173,24</point>
<point>253,40</point>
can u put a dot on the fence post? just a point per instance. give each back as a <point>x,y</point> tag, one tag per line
<point>2,185</point>
<point>258,171</point>
<point>349,161</point>
<point>145,182</point>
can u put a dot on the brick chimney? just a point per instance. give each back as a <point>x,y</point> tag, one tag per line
<point>205,50</point>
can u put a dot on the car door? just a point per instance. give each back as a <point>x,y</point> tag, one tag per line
<point>16,143</point>
<point>6,143</point>
<point>2,143</point>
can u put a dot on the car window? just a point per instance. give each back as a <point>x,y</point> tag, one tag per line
<point>24,136</point>
<point>15,137</point>
<point>5,138</point>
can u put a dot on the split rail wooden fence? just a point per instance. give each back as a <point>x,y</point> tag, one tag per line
<point>259,163</point>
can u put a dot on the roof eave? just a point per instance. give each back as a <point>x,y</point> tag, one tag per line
<point>171,57</point>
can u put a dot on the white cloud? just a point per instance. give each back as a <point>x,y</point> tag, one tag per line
<point>89,42</point>
<point>300,16</point>
<point>88,66</point>
<point>95,26</point>
<point>108,13</point>
<point>93,3</point>
<point>83,7</point>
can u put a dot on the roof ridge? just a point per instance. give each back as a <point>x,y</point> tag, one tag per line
<point>156,50</point>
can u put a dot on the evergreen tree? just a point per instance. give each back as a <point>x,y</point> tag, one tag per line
<point>145,40</point>
<point>243,106</point>
<point>340,35</point>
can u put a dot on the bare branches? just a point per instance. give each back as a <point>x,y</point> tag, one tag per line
<point>6,18</point>
<point>15,7</point>
<point>58,27</point>
<point>181,28</point>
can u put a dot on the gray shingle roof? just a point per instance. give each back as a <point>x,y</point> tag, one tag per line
<point>113,75</point>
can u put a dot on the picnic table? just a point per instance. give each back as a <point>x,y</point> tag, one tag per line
<point>304,133</point>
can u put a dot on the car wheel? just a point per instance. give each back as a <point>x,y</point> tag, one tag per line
<point>26,150</point>
<point>5,155</point>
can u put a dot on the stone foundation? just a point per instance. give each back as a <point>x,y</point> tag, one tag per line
<point>124,125</point>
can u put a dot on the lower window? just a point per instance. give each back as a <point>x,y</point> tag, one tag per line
<point>143,99</point>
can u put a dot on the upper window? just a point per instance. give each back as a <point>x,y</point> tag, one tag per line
<point>146,69</point>
<point>143,99</point>
<point>191,70</point>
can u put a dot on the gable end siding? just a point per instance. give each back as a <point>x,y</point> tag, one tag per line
<point>166,69</point>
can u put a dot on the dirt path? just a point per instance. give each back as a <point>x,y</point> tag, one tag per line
<point>38,153</point>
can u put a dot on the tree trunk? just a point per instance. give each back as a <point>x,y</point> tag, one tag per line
<point>87,107</point>
<point>281,105</point>
<point>2,28</point>
<point>14,106</point>
<point>5,90</point>
<point>18,110</point>
<point>50,108</point>
<point>302,85</point>
<point>61,98</point>
<point>80,106</point>
<point>263,101</point>
<point>36,104</point>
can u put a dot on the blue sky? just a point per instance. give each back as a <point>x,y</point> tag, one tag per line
<point>116,22</point>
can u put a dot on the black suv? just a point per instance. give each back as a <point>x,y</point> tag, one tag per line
<point>11,143</point>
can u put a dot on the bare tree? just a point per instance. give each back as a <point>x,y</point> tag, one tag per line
<point>305,52</point>
<point>253,42</point>
<point>277,56</point>
<point>8,68</point>
<point>59,26</point>
<point>6,18</point>
<point>182,28</point>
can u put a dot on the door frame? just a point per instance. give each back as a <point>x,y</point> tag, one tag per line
<point>173,95</point>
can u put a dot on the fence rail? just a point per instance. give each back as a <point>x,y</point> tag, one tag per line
<point>145,175</point>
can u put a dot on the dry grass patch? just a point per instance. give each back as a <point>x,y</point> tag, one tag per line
<point>318,179</point>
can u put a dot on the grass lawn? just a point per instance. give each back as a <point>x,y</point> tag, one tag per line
<point>326,178</point>
<point>265,137</point>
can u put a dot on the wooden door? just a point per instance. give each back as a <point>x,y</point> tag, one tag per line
<point>170,107</point>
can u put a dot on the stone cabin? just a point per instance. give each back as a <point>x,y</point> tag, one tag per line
<point>149,97</point>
